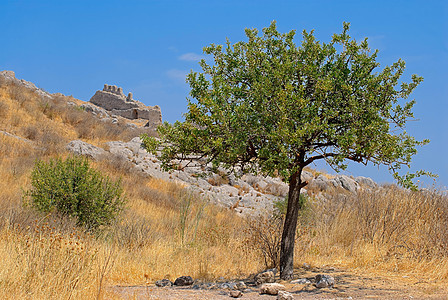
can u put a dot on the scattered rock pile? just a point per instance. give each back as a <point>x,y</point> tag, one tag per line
<point>262,283</point>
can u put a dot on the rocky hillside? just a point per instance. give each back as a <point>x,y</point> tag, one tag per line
<point>167,230</point>
<point>247,193</point>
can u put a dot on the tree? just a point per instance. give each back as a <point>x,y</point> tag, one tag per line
<point>269,106</point>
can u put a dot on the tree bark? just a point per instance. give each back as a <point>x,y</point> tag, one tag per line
<point>290,226</point>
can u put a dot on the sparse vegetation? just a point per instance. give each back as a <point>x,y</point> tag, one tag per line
<point>263,235</point>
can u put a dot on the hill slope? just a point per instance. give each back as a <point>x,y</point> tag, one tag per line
<point>169,230</point>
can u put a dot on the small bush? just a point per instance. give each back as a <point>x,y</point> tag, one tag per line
<point>51,141</point>
<point>280,206</point>
<point>72,188</point>
<point>263,234</point>
<point>31,132</point>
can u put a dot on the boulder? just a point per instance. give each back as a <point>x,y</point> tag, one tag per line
<point>92,108</point>
<point>272,288</point>
<point>324,281</point>
<point>226,286</point>
<point>264,277</point>
<point>82,148</point>
<point>261,185</point>
<point>282,295</point>
<point>236,294</point>
<point>121,149</point>
<point>183,281</point>
<point>240,285</point>
<point>301,281</point>
<point>365,181</point>
<point>335,182</point>
<point>321,182</point>
<point>307,176</point>
<point>250,179</point>
<point>347,183</point>
<point>163,283</point>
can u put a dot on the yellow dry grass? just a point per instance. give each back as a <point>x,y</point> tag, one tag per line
<point>388,230</point>
<point>167,231</point>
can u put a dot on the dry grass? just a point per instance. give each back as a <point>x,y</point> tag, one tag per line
<point>166,231</point>
<point>389,229</point>
<point>41,262</point>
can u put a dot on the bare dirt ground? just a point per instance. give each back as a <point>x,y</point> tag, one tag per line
<point>348,285</point>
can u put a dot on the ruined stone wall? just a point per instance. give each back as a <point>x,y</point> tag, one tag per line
<point>113,89</point>
<point>151,113</point>
<point>114,100</point>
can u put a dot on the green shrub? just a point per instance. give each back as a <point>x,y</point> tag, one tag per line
<point>281,205</point>
<point>72,188</point>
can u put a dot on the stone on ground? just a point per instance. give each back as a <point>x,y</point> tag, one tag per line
<point>183,281</point>
<point>163,283</point>
<point>301,281</point>
<point>282,295</point>
<point>264,277</point>
<point>236,294</point>
<point>272,288</point>
<point>324,281</point>
<point>240,285</point>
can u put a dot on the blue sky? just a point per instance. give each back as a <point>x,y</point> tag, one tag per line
<point>147,47</point>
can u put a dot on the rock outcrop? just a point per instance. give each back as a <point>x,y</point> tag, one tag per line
<point>112,99</point>
<point>82,148</point>
<point>248,194</point>
<point>11,77</point>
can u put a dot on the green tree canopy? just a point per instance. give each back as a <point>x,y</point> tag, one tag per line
<point>270,106</point>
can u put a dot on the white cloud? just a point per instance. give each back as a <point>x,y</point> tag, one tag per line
<point>191,57</point>
<point>177,75</point>
<point>375,42</point>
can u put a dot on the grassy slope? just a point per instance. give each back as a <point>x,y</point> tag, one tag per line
<point>46,257</point>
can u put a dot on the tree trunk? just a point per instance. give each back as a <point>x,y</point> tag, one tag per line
<point>290,226</point>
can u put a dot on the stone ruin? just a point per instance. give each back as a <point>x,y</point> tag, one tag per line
<point>112,99</point>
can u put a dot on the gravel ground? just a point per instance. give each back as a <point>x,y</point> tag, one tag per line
<point>349,285</point>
